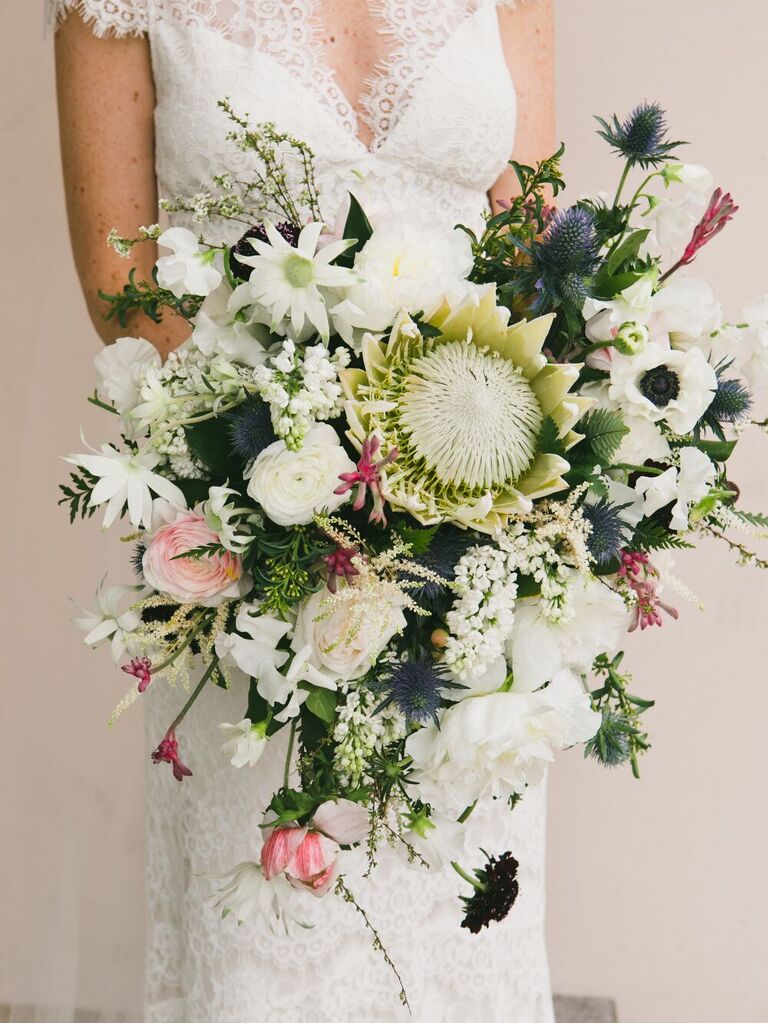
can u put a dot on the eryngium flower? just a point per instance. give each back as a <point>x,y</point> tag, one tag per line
<point>445,551</point>
<point>641,138</point>
<point>732,402</point>
<point>250,428</point>
<point>565,259</point>
<point>610,744</point>
<point>415,688</point>
<point>608,533</point>
<point>244,247</point>
<point>495,892</point>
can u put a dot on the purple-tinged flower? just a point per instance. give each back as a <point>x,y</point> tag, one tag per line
<point>368,475</point>
<point>496,888</point>
<point>642,579</point>
<point>168,753</point>
<point>340,566</point>
<point>141,668</point>
<point>641,137</point>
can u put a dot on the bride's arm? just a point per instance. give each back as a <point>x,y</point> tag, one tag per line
<point>106,102</point>
<point>527,34</point>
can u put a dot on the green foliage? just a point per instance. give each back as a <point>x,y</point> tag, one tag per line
<point>625,252</point>
<point>78,494</point>
<point>718,450</point>
<point>418,538</point>
<point>210,442</point>
<point>208,550</point>
<point>757,519</point>
<point>357,226</point>
<point>148,299</point>
<point>284,565</point>
<point>291,805</point>
<point>620,736</point>
<point>321,702</point>
<point>604,430</point>
<point>549,440</point>
<point>651,535</point>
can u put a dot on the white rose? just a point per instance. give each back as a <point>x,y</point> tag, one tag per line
<point>121,369</point>
<point>538,648</point>
<point>293,486</point>
<point>343,637</point>
<point>663,384</point>
<point>496,745</point>
<point>189,270</point>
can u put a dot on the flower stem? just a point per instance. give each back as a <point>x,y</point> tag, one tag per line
<point>196,692</point>
<point>467,877</point>
<point>622,182</point>
<point>289,755</point>
<point>466,812</point>
<point>180,647</point>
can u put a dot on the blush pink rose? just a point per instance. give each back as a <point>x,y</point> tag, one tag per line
<point>207,580</point>
<point>306,857</point>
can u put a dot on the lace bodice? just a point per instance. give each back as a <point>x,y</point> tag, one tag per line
<point>441,111</point>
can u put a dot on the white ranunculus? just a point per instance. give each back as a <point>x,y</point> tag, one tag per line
<point>689,373</point>
<point>496,745</point>
<point>121,369</point>
<point>752,358</point>
<point>189,269</point>
<point>293,486</point>
<point>538,648</point>
<point>685,486</point>
<point>403,265</point>
<point>218,332</point>
<point>244,742</point>
<point>343,637</point>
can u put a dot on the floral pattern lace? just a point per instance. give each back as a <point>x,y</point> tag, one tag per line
<point>442,110</point>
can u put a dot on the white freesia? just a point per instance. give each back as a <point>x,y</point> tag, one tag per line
<point>126,478</point>
<point>496,745</point>
<point>109,620</point>
<point>293,486</point>
<point>538,648</point>
<point>292,282</point>
<point>752,356</point>
<point>403,265</point>
<point>343,637</point>
<point>693,380</point>
<point>244,742</point>
<point>685,486</point>
<point>121,369</point>
<point>189,270</point>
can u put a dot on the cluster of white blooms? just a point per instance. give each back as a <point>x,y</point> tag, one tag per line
<point>538,556</point>
<point>301,388</point>
<point>359,731</point>
<point>482,616</point>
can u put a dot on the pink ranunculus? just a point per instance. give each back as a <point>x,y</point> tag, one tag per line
<point>207,579</point>
<point>306,857</point>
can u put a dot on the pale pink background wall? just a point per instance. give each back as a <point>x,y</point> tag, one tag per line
<point>658,888</point>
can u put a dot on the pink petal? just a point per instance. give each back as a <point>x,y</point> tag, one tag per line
<point>280,848</point>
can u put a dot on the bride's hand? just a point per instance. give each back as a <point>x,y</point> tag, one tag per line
<point>106,110</point>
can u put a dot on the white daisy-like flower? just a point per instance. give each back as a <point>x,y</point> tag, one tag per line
<point>290,282</point>
<point>126,478</point>
<point>108,621</point>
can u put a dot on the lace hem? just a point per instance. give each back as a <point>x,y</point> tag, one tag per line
<point>114,18</point>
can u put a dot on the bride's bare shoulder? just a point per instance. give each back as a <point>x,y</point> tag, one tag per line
<point>115,18</point>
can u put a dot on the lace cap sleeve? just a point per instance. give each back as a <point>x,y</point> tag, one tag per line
<point>116,18</point>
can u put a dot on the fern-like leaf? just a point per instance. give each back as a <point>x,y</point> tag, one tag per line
<point>652,536</point>
<point>604,429</point>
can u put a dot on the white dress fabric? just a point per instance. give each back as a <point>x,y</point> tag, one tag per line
<point>442,113</point>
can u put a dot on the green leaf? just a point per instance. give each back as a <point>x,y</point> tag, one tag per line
<point>604,430</point>
<point>549,441</point>
<point>718,450</point>
<point>418,538</point>
<point>321,702</point>
<point>626,251</point>
<point>757,519</point>
<point>357,226</point>
<point>652,536</point>
<point>209,441</point>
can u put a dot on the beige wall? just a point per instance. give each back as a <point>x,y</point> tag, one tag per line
<point>657,888</point>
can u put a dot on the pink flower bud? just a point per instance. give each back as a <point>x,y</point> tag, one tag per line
<point>306,857</point>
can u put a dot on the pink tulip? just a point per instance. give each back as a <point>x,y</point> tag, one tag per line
<point>306,857</point>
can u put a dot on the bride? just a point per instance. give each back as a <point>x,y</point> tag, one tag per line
<point>409,104</point>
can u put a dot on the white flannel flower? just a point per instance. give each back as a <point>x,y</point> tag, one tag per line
<point>685,486</point>
<point>244,742</point>
<point>292,282</point>
<point>662,384</point>
<point>109,621</point>
<point>126,478</point>
<point>246,893</point>
<point>189,270</point>
<point>121,368</point>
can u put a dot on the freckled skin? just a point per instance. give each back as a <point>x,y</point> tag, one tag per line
<point>106,99</point>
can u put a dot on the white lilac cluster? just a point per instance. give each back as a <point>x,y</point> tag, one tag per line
<point>359,731</point>
<point>482,616</point>
<point>302,388</point>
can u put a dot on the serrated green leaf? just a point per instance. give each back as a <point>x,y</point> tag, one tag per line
<point>549,441</point>
<point>652,536</point>
<point>604,429</point>
<point>418,538</point>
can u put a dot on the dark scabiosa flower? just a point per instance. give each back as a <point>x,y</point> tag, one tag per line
<point>641,138</point>
<point>496,889</point>
<point>244,248</point>
<point>445,551</point>
<point>731,404</point>
<point>415,688</point>
<point>250,428</point>
<point>610,745</point>
<point>565,259</point>
<point>608,533</point>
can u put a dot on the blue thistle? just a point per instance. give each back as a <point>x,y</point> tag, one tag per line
<point>565,259</point>
<point>441,557</point>
<point>415,688</point>
<point>641,138</point>
<point>609,533</point>
<point>732,403</point>
<point>250,428</point>
<point>610,745</point>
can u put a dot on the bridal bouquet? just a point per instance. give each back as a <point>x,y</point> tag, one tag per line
<point>416,485</point>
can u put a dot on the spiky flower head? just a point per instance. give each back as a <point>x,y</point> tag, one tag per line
<point>610,745</point>
<point>250,428</point>
<point>565,259</point>
<point>464,408</point>
<point>641,138</point>
<point>608,532</point>
<point>442,556</point>
<point>731,404</point>
<point>496,890</point>
<point>415,688</point>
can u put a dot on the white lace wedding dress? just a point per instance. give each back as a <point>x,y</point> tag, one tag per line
<point>442,112</point>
